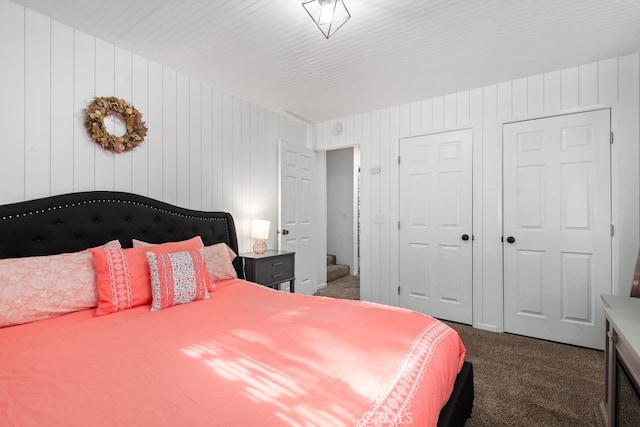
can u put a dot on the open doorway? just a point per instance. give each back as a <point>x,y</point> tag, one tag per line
<point>343,223</point>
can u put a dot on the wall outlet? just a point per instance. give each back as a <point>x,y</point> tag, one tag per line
<point>379,219</point>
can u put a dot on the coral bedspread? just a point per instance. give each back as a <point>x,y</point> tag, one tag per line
<point>249,356</point>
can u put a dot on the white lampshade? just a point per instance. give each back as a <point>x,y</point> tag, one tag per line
<point>329,15</point>
<point>260,229</point>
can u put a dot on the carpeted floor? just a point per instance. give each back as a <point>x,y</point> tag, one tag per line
<point>521,381</point>
<point>347,287</point>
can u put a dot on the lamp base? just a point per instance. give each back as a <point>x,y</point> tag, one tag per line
<point>260,247</point>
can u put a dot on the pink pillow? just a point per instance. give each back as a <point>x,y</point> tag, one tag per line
<point>41,287</point>
<point>123,274</point>
<point>218,258</point>
<point>177,278</point>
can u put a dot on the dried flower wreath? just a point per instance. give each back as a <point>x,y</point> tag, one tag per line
<point>99,109</point>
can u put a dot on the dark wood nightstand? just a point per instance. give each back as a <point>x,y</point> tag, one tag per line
<point>270,268</point>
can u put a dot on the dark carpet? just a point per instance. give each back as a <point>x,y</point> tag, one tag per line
<point>521,381</point>
<point>347,287</point>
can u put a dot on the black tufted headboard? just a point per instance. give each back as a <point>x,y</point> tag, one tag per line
<point>77,221</point>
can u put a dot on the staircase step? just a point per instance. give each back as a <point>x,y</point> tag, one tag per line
<point>331,259</point>
<point>336,271</point>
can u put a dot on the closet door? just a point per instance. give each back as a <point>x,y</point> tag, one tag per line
<point>557,218</point>
<point>436,225</point>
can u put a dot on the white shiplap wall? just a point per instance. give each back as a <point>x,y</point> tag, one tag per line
<point>612,83</point>
<point>206,149</point>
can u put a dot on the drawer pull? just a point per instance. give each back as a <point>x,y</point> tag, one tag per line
<point>276,264</point>
<point>275,276</point>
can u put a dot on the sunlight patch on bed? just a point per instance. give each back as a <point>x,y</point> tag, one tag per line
<point>335,350</point>
<point>253,336</point>
<point>200,350</point>
<point>264,384</point>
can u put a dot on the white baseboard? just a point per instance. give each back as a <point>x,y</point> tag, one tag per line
<point>485,327</point>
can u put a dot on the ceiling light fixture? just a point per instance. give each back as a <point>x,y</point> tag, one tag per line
<point>329,15</point>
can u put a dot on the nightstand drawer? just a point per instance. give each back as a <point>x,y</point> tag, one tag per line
<point>271,268</point>
<point>280,268</point>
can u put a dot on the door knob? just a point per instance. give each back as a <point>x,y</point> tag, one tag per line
<point>465,237</point>
<point>285,231</point>
<point>511,239</point>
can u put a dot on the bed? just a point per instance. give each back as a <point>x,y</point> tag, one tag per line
<point>243,355</point>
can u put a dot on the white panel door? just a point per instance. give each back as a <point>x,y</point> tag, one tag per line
<point>436,225</point>
<point>557,217</point>
<point>294,231</point>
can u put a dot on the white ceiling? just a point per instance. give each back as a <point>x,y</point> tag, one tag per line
<point>391,52</point>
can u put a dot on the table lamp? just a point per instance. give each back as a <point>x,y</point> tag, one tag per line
<point>260,231</point>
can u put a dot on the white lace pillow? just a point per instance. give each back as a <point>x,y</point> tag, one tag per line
<point>41,287</point>
<point>219,259</point>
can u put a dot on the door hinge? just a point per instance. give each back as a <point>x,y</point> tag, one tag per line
<point>611,138</point>
<point>611,230</point>
<point>398,290</point>
<point>398,159</point>
<point>398,225</point>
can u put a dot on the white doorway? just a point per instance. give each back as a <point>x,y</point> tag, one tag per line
<point>436,220</point>
<point>557,226</point>
<point>342,176</point>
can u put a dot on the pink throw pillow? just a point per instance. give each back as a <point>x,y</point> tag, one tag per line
<point>123,275</point>
<point>218,258</point>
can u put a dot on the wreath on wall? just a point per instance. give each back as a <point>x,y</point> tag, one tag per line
<point>100,109</point>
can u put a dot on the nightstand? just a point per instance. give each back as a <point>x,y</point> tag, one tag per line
<point>270,268</point>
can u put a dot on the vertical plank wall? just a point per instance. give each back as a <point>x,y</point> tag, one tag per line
<point>612,83</point>
<point>206,149</point>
